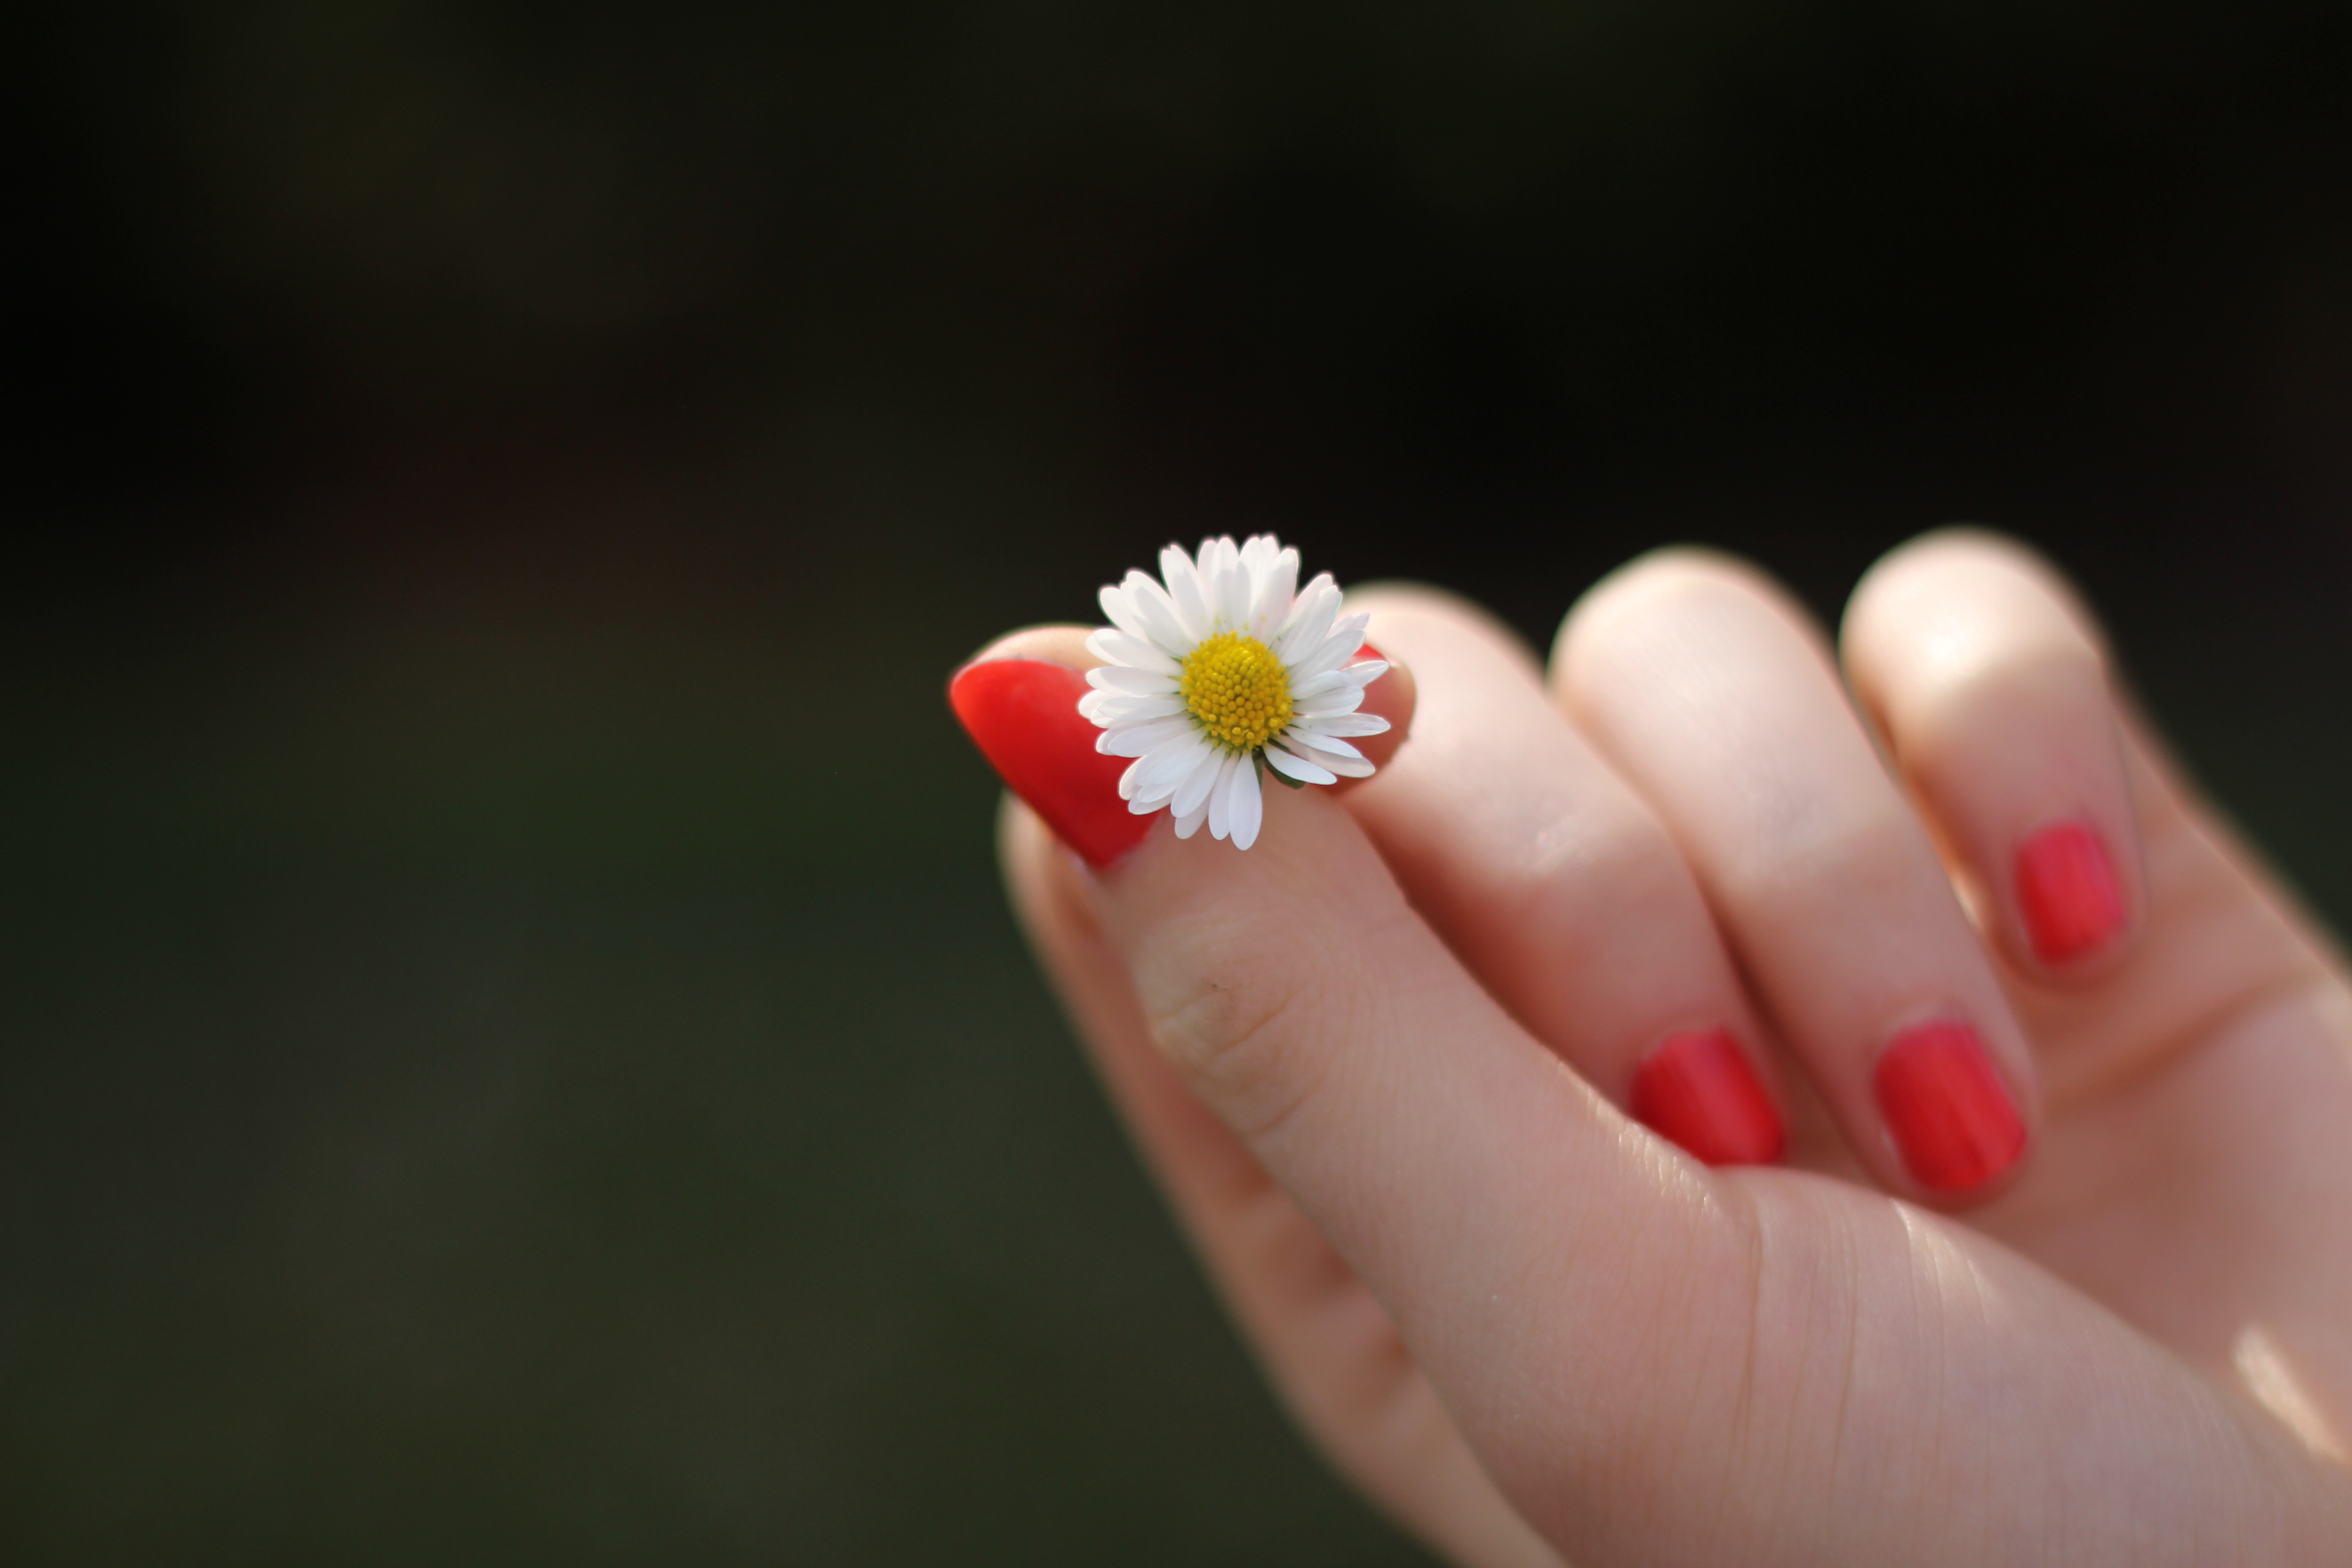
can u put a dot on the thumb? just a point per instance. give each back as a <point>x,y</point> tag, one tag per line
<point>1571,1285</point>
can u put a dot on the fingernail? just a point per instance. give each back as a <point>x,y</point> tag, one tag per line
<point>1698,1089</point>
<point>1024,715</point>
<point>2067,891</point>
<point>1950,1112</point>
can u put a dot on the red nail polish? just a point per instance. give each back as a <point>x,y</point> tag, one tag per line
<point>2067,891</point>
<point>1950,1112</point>
<point>1367,651</point>
<point>1698,1089</point>
<point>1024,715</point>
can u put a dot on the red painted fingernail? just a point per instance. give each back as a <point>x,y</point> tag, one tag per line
<point>1698,1089</point>
<point>1024,715</point>
<point>2066,888</point>
<point>1948,1110</point>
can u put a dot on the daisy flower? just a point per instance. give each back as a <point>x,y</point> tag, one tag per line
<point>1225,671</point>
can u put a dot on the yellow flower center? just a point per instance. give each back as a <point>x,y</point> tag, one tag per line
<point>1237,690</point>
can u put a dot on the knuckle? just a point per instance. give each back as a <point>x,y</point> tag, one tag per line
<point>1417,620</point>
<point>1587,879</point>
<point>1613,638</point>
<point>1247,1036</point>
<point>1824,857</point>
<point>1672,582</point>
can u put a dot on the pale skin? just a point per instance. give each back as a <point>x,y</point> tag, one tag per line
<point>1378,1064</point>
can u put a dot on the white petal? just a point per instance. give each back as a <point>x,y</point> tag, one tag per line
<point>1310,622</point>
<point>1275,590</point>
<point>1258,553</point>
<point>1145,805</point>
<point>1336,697</point>
<point>1352,677</point>
<point>1127,780</point>
<point>1111,711</point>
<point>1190,823</point>
<point>1150,795</point>
<point>1125,647</point>
<point>1331,685</point>
<point>1129,607</point>
<point>1351,767</point>
<point>1247,808</point>
<point>1220,797</point>
<point>1303,599</point>
<point>1184,591</point>
<point>1146,739</point>
<point>1345,724</point>
<point>1119,612</point>
<point>1134,682</point>
<point>1230,585</point>
<point>1193,792</point>
<point>1162,771</point>
<point>1298,767</point>
<point>1337,646</point>
<point>1247,561</point>
<point>1162,622</point>
<point>1108,709</point>
<point>1211,583</point>
<point>1327,746</point>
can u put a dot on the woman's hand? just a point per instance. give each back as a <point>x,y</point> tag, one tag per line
<point>1382,1064</point>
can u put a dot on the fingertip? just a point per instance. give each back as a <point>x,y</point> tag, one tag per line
<point>1656,581</point>
<point>1395,605</point>
<point>1698,1088</point>
<point>1927,564</point>
<point>1988,675</point>
<point>1018,700</point>
<point>1055,644</point>
<point>2070,896</point>
<point>1960,1130</point>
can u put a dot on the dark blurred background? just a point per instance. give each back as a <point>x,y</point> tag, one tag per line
<point>513,1052</point>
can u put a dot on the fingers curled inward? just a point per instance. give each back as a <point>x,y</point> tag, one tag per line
<point>1712,692</point>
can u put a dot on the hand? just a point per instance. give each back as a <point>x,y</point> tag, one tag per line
<point>1382,1065</point>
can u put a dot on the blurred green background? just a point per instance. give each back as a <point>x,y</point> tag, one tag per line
<point>512,1050</point>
